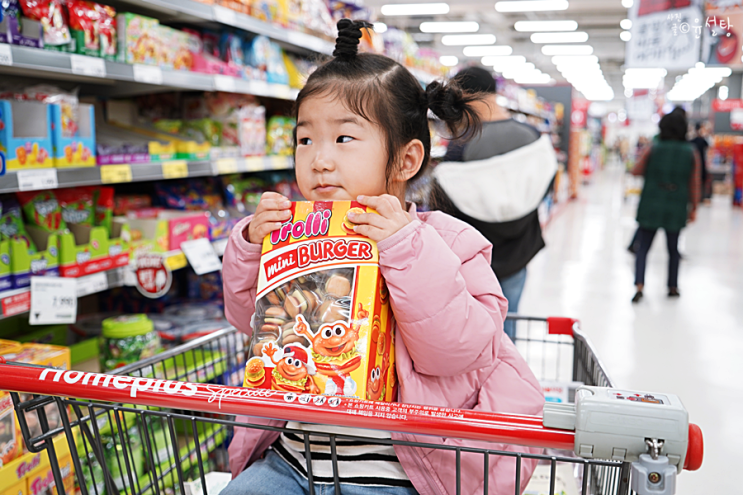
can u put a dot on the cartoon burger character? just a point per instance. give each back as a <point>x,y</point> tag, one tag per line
<point>255,372</point>
<point>348,224</point>
<point>334,352</point>
<point>376,384</point>
<point>294,369</point>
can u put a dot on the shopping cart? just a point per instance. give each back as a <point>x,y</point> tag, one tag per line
<point>150,429</point>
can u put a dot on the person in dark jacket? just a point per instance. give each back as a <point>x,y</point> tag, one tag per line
<point>672,171</point>
<point>700,141</point>
<point>495,182</point>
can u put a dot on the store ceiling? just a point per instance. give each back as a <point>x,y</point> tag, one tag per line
<point>599,18</point>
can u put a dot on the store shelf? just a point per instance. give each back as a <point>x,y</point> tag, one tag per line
<point>18,301</point>
<point>34,62</point>
<point>89,176</point>
<point>190,11</point>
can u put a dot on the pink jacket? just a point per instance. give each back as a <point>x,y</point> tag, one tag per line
<point>441,284</point>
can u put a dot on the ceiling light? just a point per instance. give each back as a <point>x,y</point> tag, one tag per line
<point>380,27</point>
<point>646,72</point>
<point>576,37</point>
<point>530,5</point>
<point>449,27</point>
<point>484,51</point>
<point>413,9</point>
<point>627,4</point>
<point>625,36</point>
<point>503,61</point>
<point>533,79</point>
<point>448,60</point>
<point>625,24</point>
<point>534,26</point>
<point>567,49</point>
<point>575,60</point>
<point>467,39</point>
<point>647,78</point>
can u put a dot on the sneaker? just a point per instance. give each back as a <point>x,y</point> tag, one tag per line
<point>638,297</point>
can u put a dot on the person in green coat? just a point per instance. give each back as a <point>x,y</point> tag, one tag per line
<point>672,171</point>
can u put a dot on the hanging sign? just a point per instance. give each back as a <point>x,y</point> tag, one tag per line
<point>726,105</point>
<point>153,277</point>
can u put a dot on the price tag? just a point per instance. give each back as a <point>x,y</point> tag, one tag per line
<point>91,284</point>
<point>224,83</point>
<point>176,261</point>
<point>53,300</point>
<point>224,15</point>
<point>254,164</point>
<point>6,56</point>
<point>175,169</point>
<point>201,256</point>
<point>88,66</point>
<point>112,174</point>
<point>226,166</point>
<point>148,74</point>
<point>219,246</point>
<point>33,180</point>
<point>279,162</point>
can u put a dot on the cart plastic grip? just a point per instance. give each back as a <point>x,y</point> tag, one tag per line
<point>557,325</point>
<point>695,450</point>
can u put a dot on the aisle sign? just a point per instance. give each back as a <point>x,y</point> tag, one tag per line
<point>88,66</point>
<point>153,277</point>
<point>53,300</point>
<point>201,256</point>
<point>33,180</point>
<point>665,37</point>
<point>175,169</point>
<point>6,56</point>
<point>114,174</point>
<point>148,74</point>
<point>726,105</point>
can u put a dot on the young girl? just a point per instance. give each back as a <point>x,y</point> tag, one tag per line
<point>362,133</point>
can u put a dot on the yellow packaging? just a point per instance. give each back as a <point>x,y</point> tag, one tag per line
<point>41,482</point>
<point>14,476</point>
<point>11,441</point>
<point>41,354</point>
<point>323,323</point>
<point>17,489</point>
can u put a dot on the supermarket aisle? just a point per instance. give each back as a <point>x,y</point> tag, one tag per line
<point>692,346</point>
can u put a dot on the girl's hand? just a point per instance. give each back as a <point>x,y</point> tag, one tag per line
<point>272,212</point>
<point>391,217</point>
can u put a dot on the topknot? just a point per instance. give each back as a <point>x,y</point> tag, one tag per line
<point>349,34</point>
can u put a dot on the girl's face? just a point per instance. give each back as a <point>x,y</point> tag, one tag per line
<point>340,155</point>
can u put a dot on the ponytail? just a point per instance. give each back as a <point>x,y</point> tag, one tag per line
<point>454,107</point>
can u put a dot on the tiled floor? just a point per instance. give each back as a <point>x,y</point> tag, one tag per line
<point>692,346</point>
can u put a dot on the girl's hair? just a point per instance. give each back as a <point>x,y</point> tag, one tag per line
<point>673,126</point>
<point>385,93</point>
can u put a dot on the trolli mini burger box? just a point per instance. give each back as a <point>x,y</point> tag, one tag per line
<point>323,323</point>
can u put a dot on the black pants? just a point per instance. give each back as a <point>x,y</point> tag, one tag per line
<point>644,241</point>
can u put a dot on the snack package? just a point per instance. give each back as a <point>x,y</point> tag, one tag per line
<point>323,323</point>
<point>104,207</point>
<point>51,15</point>
<point>42,209</point>
<point>85,20</point>
<point>77,205</point>
<point>280,136</point>
<point>11,223</point>
<point>107,31</point>
<point>138,40</point>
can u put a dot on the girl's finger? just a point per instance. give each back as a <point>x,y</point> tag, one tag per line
<point>373,233</point>
<point>273,204</point>
<point>378,203</point>
<point>273,216</point>
<point>367,219</point>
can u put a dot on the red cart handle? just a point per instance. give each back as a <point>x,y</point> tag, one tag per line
<point>557,325</point>
<point>511,429</point>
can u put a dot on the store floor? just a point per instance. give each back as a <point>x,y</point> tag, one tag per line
<point>691,346</point>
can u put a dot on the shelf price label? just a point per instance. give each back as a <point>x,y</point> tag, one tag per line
<point>88,66</point>
<point>175,169</point>
<point>33,180</point>
<point>148,74</point>
<point>225,15</point>
<point>53,300</point>
<point>91,284</point>
<point>113,174</point>
<point>226,166</point>
<point>224,83</point>
<point>6,56</point>
<point>279,162</point>
<point>201,256</point>
<point>254,164</point>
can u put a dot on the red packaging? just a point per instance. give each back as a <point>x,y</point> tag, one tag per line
<point>107,31</point>
<point>123,204</point>
<point>77,205</point>
<point>104,207</point>
<point>85,24</point>
<point>41,209</point>
<point>52,17</point>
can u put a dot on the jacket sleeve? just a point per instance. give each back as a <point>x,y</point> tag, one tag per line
<point>240,277</point>
<point>449,307</point>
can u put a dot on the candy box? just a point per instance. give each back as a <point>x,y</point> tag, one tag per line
<point>168,230</point>
<point>26,134</point>
<point>42,481</point>
<point>18,29</point>
<point>77,151</point>
<point>11,443</point>
<point>85,250</point>
<point>323,322</point>
<point>139,42</point>
<point>25,262</point>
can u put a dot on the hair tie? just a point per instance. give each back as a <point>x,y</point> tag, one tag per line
<point>349,34</point>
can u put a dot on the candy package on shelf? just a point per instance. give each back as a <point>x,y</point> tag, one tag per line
<point>53,18</point>
<point>85,25</point>
<point>323,323</point>
<point>42,210</point>
<point>280,136</point>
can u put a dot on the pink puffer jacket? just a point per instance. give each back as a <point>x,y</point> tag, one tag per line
<point>450,347</point>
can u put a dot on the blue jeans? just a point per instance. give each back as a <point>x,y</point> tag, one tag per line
<point>512,288</point>
<point>645,240</point>
<point>274,476</point>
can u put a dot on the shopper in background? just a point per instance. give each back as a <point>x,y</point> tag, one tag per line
<point>362,133</point>
<point>495,183</point>
<point>672,171</point>
<point>700,141</point>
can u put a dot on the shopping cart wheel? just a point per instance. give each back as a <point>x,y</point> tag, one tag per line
<point>695,451</point>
